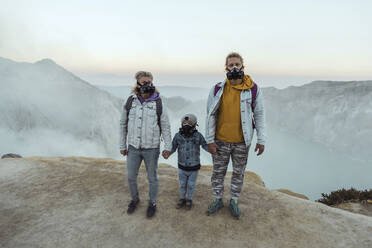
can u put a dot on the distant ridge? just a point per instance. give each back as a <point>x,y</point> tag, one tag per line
<point>335,113</point>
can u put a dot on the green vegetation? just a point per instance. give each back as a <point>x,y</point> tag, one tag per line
<point>345,195</point>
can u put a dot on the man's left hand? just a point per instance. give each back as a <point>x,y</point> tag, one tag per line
<point>260,148</point>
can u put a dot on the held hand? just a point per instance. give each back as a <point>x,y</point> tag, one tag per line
<point>165,154</point>
<point>212,148</point>
<point>260,148</point>
<point>124,152</point>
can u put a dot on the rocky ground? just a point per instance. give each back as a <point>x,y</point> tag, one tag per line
<point>81,202</point>
<point>356,207</point>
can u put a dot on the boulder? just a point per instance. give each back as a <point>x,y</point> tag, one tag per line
<point>11,155</point>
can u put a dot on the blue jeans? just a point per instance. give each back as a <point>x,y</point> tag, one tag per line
<point>150,157</point>
<point>187,181</point>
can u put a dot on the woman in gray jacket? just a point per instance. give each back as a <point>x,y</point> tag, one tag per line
<point>144,119</point>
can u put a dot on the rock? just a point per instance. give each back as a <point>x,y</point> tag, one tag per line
<point>81,202</point>
<point>11,155</point>
<point>356,207</point>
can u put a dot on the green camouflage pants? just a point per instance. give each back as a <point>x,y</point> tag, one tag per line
<point>239,156</point>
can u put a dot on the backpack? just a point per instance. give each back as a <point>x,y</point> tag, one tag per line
<point>159,108</point>
<point>217,87</point>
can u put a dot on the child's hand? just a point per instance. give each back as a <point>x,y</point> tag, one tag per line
<point>165,154</point>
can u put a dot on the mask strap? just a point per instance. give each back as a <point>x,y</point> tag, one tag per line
<point>150,83</point>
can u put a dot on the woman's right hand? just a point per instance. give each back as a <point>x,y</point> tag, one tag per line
<point>165,154</point>
<point>124,152</point>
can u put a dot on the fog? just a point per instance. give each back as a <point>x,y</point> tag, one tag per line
<point>47,111</point>
<point>46,142</point>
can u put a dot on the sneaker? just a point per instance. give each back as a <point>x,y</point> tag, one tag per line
<point>235,211</point>
<point>188,204</point>
<point>215,206</point>
<point>181,203</point>
<point>132,206</point>
<point>151,210</point>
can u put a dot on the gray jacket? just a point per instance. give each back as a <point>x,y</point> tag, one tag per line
<point>188,148</point>
<point>143,129</point>
<point>246,114</point>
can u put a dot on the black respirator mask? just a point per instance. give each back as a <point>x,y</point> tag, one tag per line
<point>235,73</point>
<point>146,88</point>
<point>187,129</point>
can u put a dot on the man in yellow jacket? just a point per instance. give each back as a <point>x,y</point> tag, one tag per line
<point>234,109</point>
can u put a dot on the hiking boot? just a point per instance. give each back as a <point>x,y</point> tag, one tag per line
<point>188,204</point>
<point>181,203</point>
<point>215,206</point>
<point>132,206</point>
<point>151,209</point>
<point>235,211</point>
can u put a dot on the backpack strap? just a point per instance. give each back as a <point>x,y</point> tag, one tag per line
<point>217,87</point>
<point>254,95</point>
<point>159,110</point>
<point>128,106</point>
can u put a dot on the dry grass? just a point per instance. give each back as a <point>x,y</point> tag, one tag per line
<point>288,192</point>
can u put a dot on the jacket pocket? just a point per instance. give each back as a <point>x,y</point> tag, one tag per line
<point>150,110</point>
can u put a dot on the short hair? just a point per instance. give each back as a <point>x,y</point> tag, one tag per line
<point>234,55</point>
<point>141,74</point>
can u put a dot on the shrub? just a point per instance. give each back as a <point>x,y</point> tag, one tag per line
<point>345,195</point>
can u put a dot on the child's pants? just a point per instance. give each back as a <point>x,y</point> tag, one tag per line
<point>187,181</point>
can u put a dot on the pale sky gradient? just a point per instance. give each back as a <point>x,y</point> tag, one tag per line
<point>284,42</point>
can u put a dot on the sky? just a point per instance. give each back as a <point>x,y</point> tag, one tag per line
<point>283,42</point>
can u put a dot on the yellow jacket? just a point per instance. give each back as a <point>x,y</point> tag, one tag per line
<point>229,126</point>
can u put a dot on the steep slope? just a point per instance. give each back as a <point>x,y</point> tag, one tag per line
<point>46,110</point>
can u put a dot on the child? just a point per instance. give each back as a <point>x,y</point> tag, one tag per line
<point>188,141</point>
